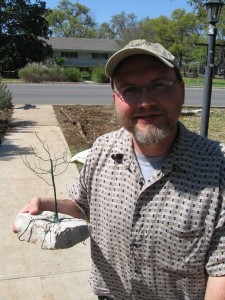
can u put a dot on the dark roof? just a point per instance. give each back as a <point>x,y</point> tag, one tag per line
<point>84,44</point>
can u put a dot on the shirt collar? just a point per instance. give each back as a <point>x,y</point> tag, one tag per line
<point>182,148</point>
<point>181,154</point>
<point>122,151</point>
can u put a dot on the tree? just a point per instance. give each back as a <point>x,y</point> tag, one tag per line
<point>161,29</point>
<point>22,25</point>
<point>104,31</point>
<point>123,24</point>
<point>47,165</point>
<point>199,7</point>
<point>147,32</point>
<point>178,34</point>
<point>122,28</point>
<point>186,32</point>
<point>71,20</point>
<point>198,4</point>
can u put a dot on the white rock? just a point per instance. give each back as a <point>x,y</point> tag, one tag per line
<point>81,156</point>
<point>41,230</point>
<point>191,112</point>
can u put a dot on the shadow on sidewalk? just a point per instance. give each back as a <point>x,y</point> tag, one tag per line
<point>10,146</point>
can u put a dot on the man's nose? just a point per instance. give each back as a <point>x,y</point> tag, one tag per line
<point>144,91</point>
<point>145,97</point>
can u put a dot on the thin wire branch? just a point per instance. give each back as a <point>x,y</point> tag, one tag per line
<point>37,164</point>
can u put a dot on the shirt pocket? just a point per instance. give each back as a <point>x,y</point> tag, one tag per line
<point>181,251</point>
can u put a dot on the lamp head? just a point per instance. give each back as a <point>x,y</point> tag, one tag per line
<point>213,8</point>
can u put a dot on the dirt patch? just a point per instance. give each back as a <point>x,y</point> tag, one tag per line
<point>91,120</point>
<point>98,119</point>
<point>82,124</point>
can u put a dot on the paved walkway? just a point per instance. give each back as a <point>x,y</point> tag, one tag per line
<point>26,271</point>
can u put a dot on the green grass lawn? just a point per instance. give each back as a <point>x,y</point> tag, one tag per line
<point>7,80</point>
<point>218,82</point>
<point>216,123</point>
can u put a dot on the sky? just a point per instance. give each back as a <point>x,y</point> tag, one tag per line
<point>103,10</point>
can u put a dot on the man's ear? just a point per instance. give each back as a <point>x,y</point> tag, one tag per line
<point>113,97</point>
<point>183,90</point>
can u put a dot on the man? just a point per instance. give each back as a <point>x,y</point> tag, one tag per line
<point>152,191</point>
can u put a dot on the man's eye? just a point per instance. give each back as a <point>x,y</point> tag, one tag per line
<point>158,85</point>
<point>130,91</point>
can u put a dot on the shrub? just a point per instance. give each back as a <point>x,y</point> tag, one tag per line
<point>72,74</point>
<point>98,75</point>
<point>59,60</point>
<point>5,97</point>
<point>85,75</point>
<point>38,72</point>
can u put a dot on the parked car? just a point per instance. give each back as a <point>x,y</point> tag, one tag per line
<point>219,72</point>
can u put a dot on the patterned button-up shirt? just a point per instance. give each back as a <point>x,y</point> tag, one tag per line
<point>158,239</point>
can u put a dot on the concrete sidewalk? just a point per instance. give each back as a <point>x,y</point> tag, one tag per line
<point>26,271</point>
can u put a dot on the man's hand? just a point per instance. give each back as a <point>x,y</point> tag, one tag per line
<point>38,204</point>
<point>35,206</point>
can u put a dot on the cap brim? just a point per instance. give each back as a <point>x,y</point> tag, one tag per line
<point>116,58</point>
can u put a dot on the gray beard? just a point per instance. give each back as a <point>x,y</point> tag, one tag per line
<point>151,136</point>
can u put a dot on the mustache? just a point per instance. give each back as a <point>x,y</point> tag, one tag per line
<point>141,112</point>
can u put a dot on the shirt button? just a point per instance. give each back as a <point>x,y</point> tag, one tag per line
<point>136,245</point>
<point>141,182</point>
<point>136,271</point>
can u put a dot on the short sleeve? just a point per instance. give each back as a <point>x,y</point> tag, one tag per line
<point>78,192</point>
<point>215,262</point>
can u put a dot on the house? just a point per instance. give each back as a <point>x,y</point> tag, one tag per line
<point>83,52</point>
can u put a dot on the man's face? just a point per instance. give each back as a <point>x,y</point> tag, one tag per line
<point>148,98</point>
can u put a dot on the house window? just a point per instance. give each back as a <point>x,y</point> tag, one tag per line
<point>100,55</point>
<point>73,54</point>
<point>69,54</point>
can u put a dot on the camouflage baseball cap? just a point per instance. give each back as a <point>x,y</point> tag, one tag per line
<point>140,47</point>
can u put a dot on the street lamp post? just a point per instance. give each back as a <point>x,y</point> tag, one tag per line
<point>213,9</point>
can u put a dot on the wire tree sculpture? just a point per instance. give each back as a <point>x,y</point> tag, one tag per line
<point>46,165</point>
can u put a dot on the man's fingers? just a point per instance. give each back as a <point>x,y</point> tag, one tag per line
<point>14,229</point>
<point>33,207</point>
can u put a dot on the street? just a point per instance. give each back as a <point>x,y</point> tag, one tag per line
<point>91,94</point>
